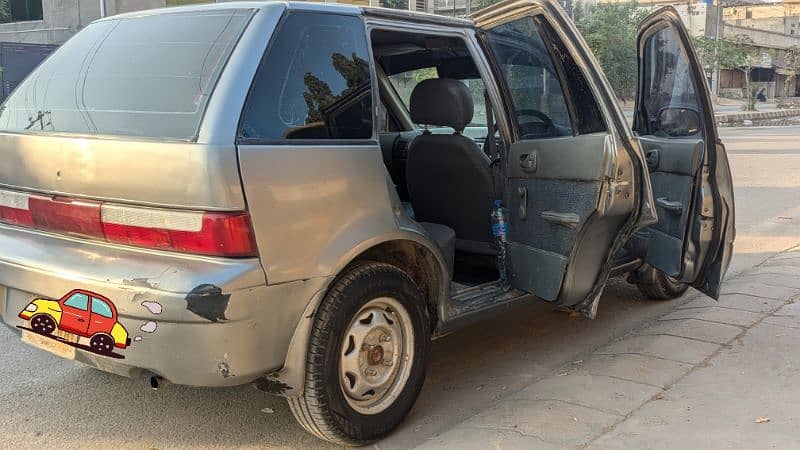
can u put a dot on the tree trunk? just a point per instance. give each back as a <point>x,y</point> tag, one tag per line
<point>750,99</point>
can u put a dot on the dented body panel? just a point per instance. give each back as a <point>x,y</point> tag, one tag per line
<point>185,316</point>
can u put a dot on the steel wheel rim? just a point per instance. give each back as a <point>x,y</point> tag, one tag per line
<point>376,355</point>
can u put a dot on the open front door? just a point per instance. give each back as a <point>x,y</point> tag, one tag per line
<point>572,185</point>
<point>692,187</point>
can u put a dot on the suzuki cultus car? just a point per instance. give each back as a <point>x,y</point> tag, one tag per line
<point>301,196</point>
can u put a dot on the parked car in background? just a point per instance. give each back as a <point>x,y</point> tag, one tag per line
<point>304,196</point>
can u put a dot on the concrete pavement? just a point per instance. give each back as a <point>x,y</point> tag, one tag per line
<point>713,375</point>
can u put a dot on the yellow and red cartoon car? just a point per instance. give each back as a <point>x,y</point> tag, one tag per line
<point>80,312</point>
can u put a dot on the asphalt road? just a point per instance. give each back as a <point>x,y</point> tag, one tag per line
<point>48,402</point>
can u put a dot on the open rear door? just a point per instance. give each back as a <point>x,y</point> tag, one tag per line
<point>692,187</point>
<point>574,187</point>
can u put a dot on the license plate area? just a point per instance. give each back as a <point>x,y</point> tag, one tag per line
<point>48,344</point>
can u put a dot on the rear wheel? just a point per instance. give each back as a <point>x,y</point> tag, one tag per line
<point>367,356</point>
<point>656,285</point>
<point>43,324</point>
<point>101,343</point>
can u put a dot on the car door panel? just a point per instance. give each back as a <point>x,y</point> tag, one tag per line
<point>689,171</point>
<point>570,188</point>
<point>674,174</point>
<point>550,202</point>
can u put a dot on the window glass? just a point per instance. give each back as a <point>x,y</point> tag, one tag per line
<point>588,117</point>
<point>101,307</point>
<point>146,76</point>
<point>313,83</point>
<point>531,79</point>
<point>667,80</point>
<point>78,300</point>
<point>20,10</point>
<point>404,83</point>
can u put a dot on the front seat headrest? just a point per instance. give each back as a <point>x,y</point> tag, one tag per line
<point>442,102</point>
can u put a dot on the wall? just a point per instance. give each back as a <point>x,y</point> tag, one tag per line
<point>763,38</point>
<point>786,25</point>
<point>63,18</point>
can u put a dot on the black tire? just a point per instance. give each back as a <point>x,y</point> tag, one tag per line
<point>102,344</point>
<point>43,324</point>
<point>656,285</point>
<point>322,409</point>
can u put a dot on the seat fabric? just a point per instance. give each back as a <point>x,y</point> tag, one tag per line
<point>449,178</point>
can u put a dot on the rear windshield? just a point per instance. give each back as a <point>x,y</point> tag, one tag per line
<point>147,76</point>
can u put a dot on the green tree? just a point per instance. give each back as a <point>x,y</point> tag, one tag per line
<point>610,31</point>
<point>734,53</point>
<point>5,11</point>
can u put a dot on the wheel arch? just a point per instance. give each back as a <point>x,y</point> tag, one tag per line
<point>411,251</point>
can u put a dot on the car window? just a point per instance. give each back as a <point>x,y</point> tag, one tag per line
<point>404,83</point>
<point>667,79</point>
<point>588,117</point>
<point>101,307</point>
<point>313,82</point>
<point>145,76</point>
<point>531,79</point>
<point>78,300</point>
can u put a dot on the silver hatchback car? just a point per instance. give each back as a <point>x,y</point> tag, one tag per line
<point>301,196</point>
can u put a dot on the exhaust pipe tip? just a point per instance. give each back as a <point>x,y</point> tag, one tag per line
<point>152,380</point>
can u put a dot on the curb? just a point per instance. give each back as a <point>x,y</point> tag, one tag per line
<point>739,118</point>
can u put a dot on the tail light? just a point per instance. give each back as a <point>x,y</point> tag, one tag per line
<point>204,233</point>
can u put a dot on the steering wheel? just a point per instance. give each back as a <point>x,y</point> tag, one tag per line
<point>543,127</point>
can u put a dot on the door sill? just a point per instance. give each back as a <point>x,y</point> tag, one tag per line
<point>469,304</point>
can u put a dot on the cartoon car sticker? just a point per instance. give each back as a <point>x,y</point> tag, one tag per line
<point>84,314</point>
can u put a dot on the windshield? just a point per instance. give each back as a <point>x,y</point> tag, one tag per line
<point>145,76</point>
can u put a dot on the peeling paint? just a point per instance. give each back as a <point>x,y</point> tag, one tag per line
<point>224,369</point>
<point>138,282</point>
<point>272,386</point>
<point>137,338</point>
<point>208,302</point>
<point>149,327</point>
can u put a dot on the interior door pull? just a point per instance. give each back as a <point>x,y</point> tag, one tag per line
<point>570,220</point>
<point>528,161</point>
<point>672,207</point>
<point>523,202</point>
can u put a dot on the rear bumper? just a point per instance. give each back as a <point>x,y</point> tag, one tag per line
<point>191,320</point>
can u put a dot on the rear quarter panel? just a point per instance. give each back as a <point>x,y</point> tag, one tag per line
<point>311,206</point>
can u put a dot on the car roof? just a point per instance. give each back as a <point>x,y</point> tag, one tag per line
<point>412,16</point>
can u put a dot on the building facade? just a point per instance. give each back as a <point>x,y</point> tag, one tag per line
<point>54,21</point>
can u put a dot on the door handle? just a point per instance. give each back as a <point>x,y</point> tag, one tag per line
<point>529,161</point>
<point>569,220</point>
<point>81,320</point>
<point>673,207</point>
<point>653,157</point>
<point>523,202</point>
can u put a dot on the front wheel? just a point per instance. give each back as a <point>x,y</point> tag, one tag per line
<point>657,285</point>
<point>367,356</point>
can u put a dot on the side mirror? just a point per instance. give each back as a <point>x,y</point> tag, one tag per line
<point>676,122</point>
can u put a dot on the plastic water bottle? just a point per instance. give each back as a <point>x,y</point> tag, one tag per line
<point>500,232</point>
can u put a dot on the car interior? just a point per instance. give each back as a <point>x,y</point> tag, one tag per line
<point>433,131</point>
